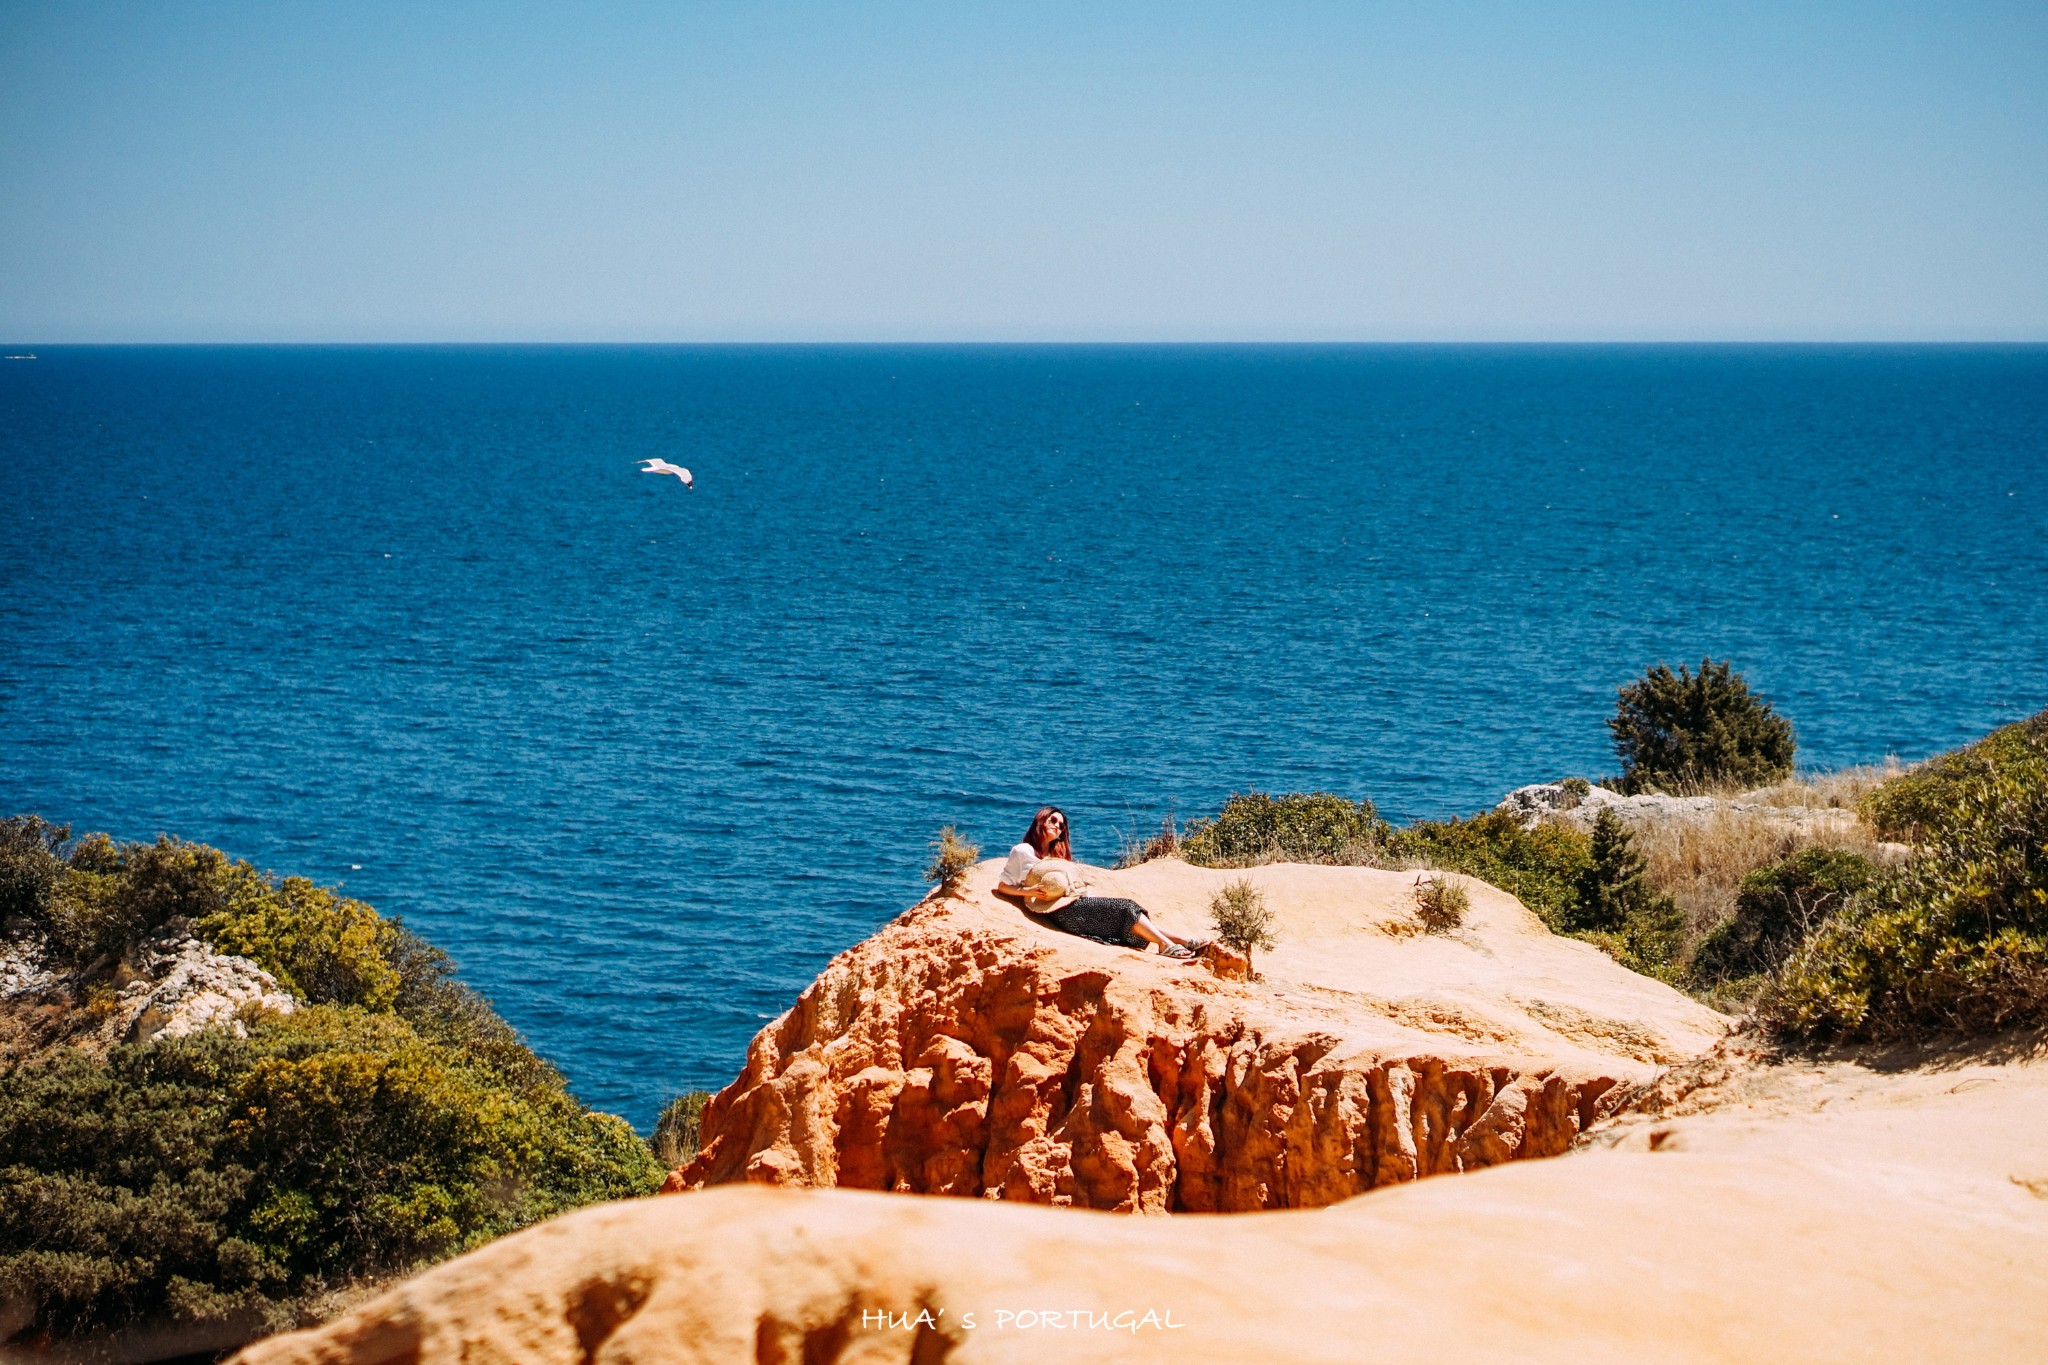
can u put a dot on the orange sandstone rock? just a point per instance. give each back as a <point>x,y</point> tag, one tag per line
<point>967,1050</point>
<point>1806,1214</point>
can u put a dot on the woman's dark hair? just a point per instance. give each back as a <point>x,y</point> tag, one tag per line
<point>1061,847</point>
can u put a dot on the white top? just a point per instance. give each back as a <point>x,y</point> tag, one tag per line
<point>1019,865</point>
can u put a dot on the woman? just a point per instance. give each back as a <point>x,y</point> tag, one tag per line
<point>1109,918</point>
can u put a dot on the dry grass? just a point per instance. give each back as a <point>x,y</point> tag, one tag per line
<point>676,1131</point>
<point>1133,849</point>
<point>952,856</point>
<point>1440,905</point>
<point>1842,789</point>
<point>1700,863</point>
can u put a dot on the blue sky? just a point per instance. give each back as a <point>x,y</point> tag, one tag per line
<point>962,171</point>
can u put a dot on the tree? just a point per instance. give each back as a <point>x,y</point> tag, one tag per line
<point>1616,908</point>
<point>1675,731</point>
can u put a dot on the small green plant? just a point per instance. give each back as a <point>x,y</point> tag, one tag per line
<point>1299,827</point>
<point>1440,905</point>
<point>951,857</point>
<point>1776,908</point>
<point>1243,922</point>
<point>1688,731</point>
<point>676,1132</point>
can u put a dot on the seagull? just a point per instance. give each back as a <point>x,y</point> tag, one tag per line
<point>664,467</point>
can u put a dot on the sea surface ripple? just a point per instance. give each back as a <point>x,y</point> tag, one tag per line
<point>411,621</point>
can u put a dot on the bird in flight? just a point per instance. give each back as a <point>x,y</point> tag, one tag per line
<point>664,467</point>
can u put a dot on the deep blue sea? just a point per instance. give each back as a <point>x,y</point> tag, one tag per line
<point>411,621</point>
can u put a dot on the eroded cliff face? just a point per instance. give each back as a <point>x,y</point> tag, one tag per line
<point>967,1050</point>
<point>1835,1213</point>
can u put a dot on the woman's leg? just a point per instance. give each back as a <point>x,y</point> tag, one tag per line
<point>1151,932</point>
<point>1164,937</point>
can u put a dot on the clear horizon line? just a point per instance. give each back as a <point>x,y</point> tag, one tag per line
<point>2021,341</point>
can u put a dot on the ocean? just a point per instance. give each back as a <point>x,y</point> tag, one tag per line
<point>410,621</point>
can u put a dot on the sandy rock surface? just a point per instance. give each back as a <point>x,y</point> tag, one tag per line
<point>966,1049</point>
<point>1789,1214</point>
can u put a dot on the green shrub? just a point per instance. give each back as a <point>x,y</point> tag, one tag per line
<point>107,897</point>
<point>1685,731</point>
<point>1311,827</point>
<point>445,1011</point>
<point>392,1120</point>
<point>1540,867</point>
<point>200,1177</point>
<point>31,865</point>
<point>1955,940</point>
<point>320,946</point>
<point>1242,919</point>
<point>1440,905</point>
<point>1775,909</point>
<point>951,857</point>
<point>1920,800</point>
<point>677,1131</point>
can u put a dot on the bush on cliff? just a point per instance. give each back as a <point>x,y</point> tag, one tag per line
<point>31,865</point>
<point>1921,799</point>
<point>392,1120</point>
<point>1299,827</point>
<point>952,856</point>
<point>1953,941</point>
<point>1688,731</point>
<point>1777,907</point>
<point>1440,905</point>
<point>1244,922</point>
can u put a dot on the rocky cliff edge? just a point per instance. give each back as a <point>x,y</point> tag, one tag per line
<point>1805,1213</point>
<point>966,1049</point>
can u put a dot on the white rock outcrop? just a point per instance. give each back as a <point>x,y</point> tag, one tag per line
<point>179,985</point>
<point>171,984</point>
<point>1556,801</point>
<point>24,970</point>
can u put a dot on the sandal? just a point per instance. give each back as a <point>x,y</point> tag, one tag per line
<point>1177,951</point>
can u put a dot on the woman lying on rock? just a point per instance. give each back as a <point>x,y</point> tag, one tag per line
<point>1041,874</point>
